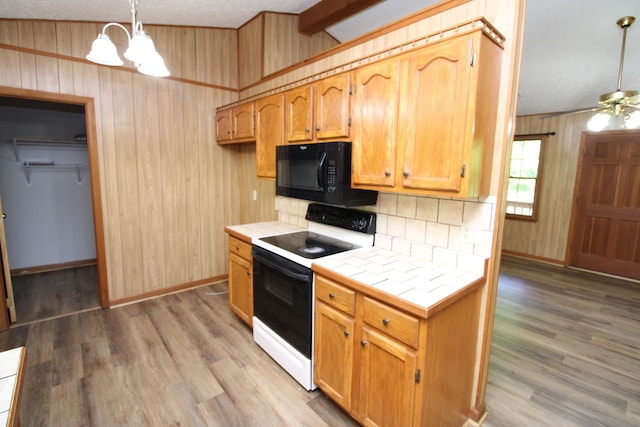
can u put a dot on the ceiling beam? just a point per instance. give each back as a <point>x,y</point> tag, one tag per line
<point>328,12</point>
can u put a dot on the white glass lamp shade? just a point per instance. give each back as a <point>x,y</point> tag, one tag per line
<point>154,66</point>
<point>599,121</point>
<point>104,52</point>
<point>140,47</point>
<point>633,120</point>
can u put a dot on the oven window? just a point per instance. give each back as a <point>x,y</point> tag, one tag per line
<point>299,173</point>
<point>282,299</point>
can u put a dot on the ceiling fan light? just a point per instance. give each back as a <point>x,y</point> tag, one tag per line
<point>599,122</point>
<point>632,121</point>
<point>104,52</point>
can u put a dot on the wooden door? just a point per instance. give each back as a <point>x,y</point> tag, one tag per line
<point>332,102</point>
<point>223,126</point>
<point>299,114</point>
<point>241,288</point>
<point>6,288</point>
<point>387,381</point>
<point>435,90</point>
<point>269,134</point>
<point>375,114</point>
<point>606,216</point>
<point>333,365</point>
<point>242,118</point>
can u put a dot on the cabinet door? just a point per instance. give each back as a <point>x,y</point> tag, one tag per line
<point>243,127</point>
<point>269,134</point>
<point>433,115</point>
<point>241,288</point>
<point>299,114</point>
<point>374,125</point>
<point>223,126</point>
<point>387,381</point>
<point>332,96</point>
<point>333,364</point>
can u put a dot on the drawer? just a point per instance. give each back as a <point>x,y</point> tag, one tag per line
<point>335,295</point>
<point>240,248</point>
<point>391,321</point>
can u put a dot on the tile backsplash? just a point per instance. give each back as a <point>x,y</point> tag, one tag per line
<point>451,232</point>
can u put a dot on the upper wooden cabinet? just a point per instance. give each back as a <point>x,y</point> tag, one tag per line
<point>269,121</point>
<point>435,134</point>
<point>319,111</point>
<point>375,116</point>
<point>235,124</point>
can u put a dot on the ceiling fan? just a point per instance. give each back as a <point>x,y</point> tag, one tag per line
<point>621,104</point>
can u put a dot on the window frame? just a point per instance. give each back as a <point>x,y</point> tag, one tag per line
<point>536,197</point>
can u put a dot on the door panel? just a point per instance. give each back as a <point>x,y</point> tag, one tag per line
<point>607,212</point>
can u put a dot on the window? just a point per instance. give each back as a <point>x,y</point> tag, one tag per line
<point>524,177</point>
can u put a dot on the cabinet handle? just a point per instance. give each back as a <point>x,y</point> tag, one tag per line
<point>237,248</point>
<point>317,127</point>
<point>405,174</point>
<point>332,295</point>
<point>363,343</point>
<point>306,129</point>
<point>385,322</point>
<point>387,173</point>
<point>248,273</point>
<point>347,333</point>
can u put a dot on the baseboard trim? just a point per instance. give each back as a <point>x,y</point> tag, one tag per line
<point>52,267</point>
<point>557,262</point>
<point>166,291</point>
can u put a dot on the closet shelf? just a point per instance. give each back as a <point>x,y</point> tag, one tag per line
<point>39,164</point>
<point>17,142</point>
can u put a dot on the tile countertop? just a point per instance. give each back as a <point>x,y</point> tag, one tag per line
<point>246,232</point>
<point>419,286</point>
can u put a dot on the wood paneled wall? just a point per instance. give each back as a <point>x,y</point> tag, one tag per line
<point>167,188</point>
<point>270,42</point>
<point>547,238</point>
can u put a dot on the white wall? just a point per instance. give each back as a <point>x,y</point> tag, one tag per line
<point>50,220</point>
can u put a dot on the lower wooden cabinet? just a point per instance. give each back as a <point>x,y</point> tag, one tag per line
<point>241,279</point>
<point>390,367</point>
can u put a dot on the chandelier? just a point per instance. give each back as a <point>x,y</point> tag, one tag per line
<point>141,50</point>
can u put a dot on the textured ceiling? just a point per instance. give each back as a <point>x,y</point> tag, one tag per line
<point>571,49</point>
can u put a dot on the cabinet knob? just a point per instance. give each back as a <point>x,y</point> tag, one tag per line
<point>387,173</point>
<point>385,322</point>
<point>405,174</point>
<point>363,343</point>
<point>248,273</point>
<point>347,333</point>
<point>332,295</point>
<point>306,129</point>
<point>317,127</point>
<point>237,248</point>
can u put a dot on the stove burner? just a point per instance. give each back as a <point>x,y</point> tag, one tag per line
<point>308,244</point>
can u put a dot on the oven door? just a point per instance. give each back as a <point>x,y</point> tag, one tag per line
<point>282,298</point>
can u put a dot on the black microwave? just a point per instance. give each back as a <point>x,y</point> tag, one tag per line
<point>319,172</point>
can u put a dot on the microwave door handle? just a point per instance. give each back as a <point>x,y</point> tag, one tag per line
<point>320,174</point>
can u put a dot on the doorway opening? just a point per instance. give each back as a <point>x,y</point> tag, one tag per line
<point>52,239</point>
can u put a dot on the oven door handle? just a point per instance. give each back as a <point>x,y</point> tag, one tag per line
<point>303,277</point>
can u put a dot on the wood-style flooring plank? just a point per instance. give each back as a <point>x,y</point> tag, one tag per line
<point>565,352</point>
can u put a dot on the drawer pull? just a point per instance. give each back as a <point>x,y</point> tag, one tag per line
<point>363,343</point>
<point>385,322</point>
<point>347,333</point>
<point>332,295</point>
<point>237,248</point>
<point>387,173</point>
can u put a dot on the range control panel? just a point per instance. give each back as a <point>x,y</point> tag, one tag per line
<point>350,219</point>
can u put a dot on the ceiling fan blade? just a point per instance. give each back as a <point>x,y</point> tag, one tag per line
<point>562,113</point>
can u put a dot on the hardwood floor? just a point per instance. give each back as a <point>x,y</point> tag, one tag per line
<point>182,359</point>
<point>566,353</point>
<point>566,349</point>
<point>55,293</point>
